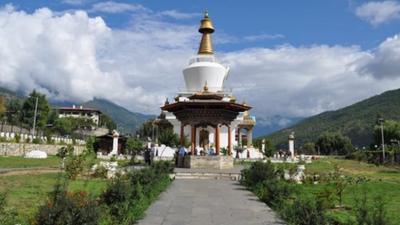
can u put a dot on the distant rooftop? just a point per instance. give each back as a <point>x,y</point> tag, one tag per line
<point>78,108</point>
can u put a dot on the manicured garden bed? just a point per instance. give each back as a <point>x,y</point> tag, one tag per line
<point>58,200</point>
<point>25,193</point>
<point>379,186</point>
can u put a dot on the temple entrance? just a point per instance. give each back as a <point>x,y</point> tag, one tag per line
<point>204,139</point>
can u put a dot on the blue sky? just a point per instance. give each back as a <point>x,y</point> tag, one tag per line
<point>296,22</point>
<point>287,58</point>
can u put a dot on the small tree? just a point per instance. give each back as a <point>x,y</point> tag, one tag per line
<point>340,182</point>
<point>168,138</point>
<point>134,147</point>
<point>28,109</point>
<point>62,154</point>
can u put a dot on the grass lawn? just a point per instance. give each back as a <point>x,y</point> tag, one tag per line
<point>26,193</point>
<point>21,162</point>
<point>383,181</point>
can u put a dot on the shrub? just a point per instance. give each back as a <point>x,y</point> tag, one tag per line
<point>36,141</point>
<point>304,211</point>
<point>66,208</point>
<point>163,167</point>
<point>17,138</point>
<point>7,216</point>
<point>366,215</point>
<point>274,192</point>
<point>118,199</point>
<point>258,173</point>
<point>127,197</point>
<point>100,172</point>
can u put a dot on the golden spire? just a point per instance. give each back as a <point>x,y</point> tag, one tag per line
<point>206,28</point>
<point>205,88</point>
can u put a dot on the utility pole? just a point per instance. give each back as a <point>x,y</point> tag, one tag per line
<point>383,139</point>
<point>34,118</point>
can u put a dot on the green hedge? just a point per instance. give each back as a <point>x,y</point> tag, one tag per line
<point>123,202</point>
<point>304,208</point>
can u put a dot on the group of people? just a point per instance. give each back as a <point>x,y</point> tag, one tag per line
<point>181,152</point>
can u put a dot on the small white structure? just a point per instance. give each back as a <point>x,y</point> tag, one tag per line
<point>115,136</point>
<point>164,151</point>
<point>299,176</point>
<point>36,154</point>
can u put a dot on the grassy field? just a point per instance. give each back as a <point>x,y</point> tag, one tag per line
<point>20,162</point>
<point>383,181</point>
<point>26,193</point>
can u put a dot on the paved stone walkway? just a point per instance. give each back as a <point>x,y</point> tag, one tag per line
<point>202,202</point>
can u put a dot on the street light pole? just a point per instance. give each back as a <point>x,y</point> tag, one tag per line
<point>34,118</point>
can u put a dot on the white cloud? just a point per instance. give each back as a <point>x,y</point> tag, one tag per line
<point>76,57</point>
<point>379,12</point>
<point>179,15</point>
<point>384,62</point>
<point>116,7</point>
<point>261,37</point>
<point>74,2</point>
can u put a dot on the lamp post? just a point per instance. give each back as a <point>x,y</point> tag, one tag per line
<point>381,120</point>
<point>34,117</point>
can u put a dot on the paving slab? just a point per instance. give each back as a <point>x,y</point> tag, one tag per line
<point>219,202</point>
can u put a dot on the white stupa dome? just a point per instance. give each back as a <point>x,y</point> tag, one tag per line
<point>203,69</point>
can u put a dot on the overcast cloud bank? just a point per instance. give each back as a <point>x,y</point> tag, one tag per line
<point>75,57</point>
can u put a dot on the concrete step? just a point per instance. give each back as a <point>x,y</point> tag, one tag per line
<point>213,176</point>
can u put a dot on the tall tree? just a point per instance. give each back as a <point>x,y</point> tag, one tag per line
<point>14,110</point>
<point>146,130</point>
<point>333,143</point>
<point>2,106</point>
<point>391,132</point>
<point>28,110</point>
<point>106,121</point>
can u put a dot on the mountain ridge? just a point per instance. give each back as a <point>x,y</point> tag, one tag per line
<point>356,121</point>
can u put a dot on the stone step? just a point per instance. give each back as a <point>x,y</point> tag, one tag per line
<point>213,176</point>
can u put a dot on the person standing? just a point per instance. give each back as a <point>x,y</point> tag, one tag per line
<point>182,153</point>
<point>152,153</point>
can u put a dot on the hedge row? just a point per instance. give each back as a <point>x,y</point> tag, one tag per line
<point>123,202</point>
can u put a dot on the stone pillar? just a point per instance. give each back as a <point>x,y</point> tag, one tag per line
<point>217,140</point>
<point>229,141</point>
<point>182,141</point>
<point>115,136</point>
<point>250,138</point>
<point>263,146</point>
<point>291,145</point>
<point>193,134</point>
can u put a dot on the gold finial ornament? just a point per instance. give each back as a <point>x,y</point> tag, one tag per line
<point>206,28</point>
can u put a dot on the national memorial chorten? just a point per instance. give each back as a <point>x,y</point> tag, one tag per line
<point>206,112</point>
